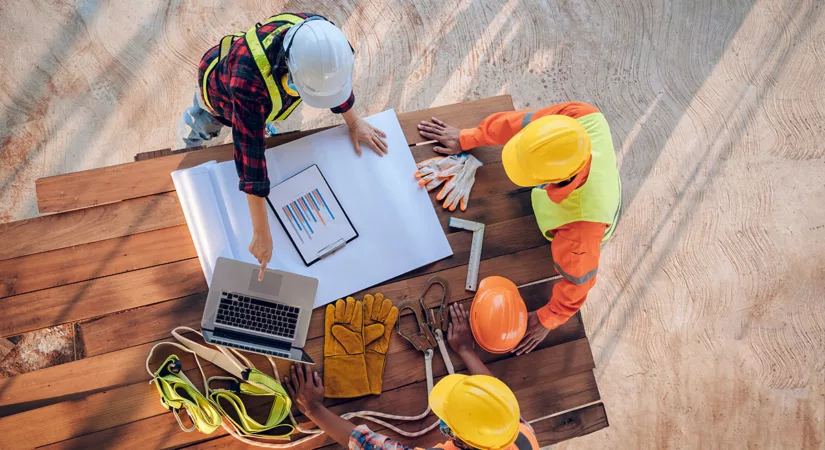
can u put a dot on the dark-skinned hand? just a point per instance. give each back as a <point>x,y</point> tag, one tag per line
<point>304,387</point>
<point>446,135</point>
<point>536,332</point>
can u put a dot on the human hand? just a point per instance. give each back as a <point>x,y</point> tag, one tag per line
<point>304,387</point>
<point>261,249</point>
<point>445,134</point>
<point>536,332</point>
<point>362,131</point>
<point>459,335</point>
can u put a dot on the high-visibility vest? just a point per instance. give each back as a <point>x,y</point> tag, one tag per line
<point>257,48</point>
<point>599,199</point>
<point>526,440</point>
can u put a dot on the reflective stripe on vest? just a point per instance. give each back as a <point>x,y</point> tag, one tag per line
<point>599,199</point>
<point>258,50</point>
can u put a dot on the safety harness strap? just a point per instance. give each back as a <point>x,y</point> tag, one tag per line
<point>258,54</point>
<point>257,49</point>
<point>177,392</point>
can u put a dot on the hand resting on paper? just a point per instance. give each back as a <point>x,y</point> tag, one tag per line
<point>361,131</point>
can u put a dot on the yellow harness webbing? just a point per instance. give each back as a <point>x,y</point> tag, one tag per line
<point>206,411</point>
<point>257,49</point>
<point>178,392</point>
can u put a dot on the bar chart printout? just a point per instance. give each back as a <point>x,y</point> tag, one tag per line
<point>310,214</point>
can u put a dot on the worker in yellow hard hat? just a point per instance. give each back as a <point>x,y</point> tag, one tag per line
<point>477,411</point>
<point>565,152</point>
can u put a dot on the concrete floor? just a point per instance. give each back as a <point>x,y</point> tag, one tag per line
<point>707,321</point>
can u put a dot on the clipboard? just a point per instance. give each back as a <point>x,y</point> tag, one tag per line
<point>311,215</point>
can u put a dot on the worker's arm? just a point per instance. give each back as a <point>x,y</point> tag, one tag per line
<point>248,123</point>
<point>461,340</point>
<point>306,389</point>
<point>496,129</point>
<point>576,248</point>
<point>361,131</point>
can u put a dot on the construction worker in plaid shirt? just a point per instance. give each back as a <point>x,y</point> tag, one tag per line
<point>565,153</point>
<point>253,78</point>
<point>477,411</point>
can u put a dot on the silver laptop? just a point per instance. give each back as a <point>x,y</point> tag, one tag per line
<point>270,317</point>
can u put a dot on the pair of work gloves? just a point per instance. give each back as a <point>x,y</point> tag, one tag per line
<point>356,338</point>
<point>456,172</point>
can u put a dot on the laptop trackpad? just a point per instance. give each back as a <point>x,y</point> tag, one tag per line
<point>270,286</point>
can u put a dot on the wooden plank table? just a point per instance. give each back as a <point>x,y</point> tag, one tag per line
<point>115,259</point>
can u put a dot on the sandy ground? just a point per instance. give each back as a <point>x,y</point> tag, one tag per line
<point>707,319</point>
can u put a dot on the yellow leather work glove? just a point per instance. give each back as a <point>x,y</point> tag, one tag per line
<point>345,369</point>
<point>379,320</point>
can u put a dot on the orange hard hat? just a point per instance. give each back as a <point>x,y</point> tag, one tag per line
<point>498,315</point>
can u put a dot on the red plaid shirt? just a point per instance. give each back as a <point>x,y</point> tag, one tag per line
<point>240,99</point>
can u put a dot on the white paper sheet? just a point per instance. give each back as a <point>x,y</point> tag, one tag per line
<point>397,225</point>
<point>203,214</point>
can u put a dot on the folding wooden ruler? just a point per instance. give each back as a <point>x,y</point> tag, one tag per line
<point>475,250</point>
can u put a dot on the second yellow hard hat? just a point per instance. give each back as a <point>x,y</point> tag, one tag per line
<point>480,410</point>
<point>550,149</point>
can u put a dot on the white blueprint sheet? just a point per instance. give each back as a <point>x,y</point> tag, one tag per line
<point>397,225</point>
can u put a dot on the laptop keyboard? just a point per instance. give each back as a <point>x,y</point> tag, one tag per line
<point>252,314</point>
<point>243,341</point>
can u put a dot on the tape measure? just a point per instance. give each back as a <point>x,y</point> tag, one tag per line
<point>475,249</point>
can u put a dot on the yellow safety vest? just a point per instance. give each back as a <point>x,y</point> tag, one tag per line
<point>258,50</point>
<point>599,199</point>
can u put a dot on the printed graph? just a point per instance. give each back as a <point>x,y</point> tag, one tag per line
<point>308,213</point>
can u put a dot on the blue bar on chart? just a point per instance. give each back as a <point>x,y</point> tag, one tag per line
<point>321,198</point>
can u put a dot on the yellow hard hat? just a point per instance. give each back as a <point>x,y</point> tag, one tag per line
<point>548,150</point>
<point>479,409</point>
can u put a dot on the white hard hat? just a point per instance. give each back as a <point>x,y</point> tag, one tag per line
<point>320,60</point>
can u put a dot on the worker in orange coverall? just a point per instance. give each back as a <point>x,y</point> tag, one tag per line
<point>565,152</point>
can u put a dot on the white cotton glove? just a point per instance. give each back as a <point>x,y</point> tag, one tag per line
<point>460,181</point>
<point>429,170</point>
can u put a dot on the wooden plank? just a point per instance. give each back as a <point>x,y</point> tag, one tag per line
<point>73,380</point>
<point>571,424</point>
<point>153,154</point>
<point>138,179</point>
<point>127,407</point>
<point>84,300</point>
<point>98,259</point>
<point>490,210</point>
<point>41,234</point>
<point>106,334</point>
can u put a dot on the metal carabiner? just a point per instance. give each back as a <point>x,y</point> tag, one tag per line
<point>437,318</point>
<point>424,338</point>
